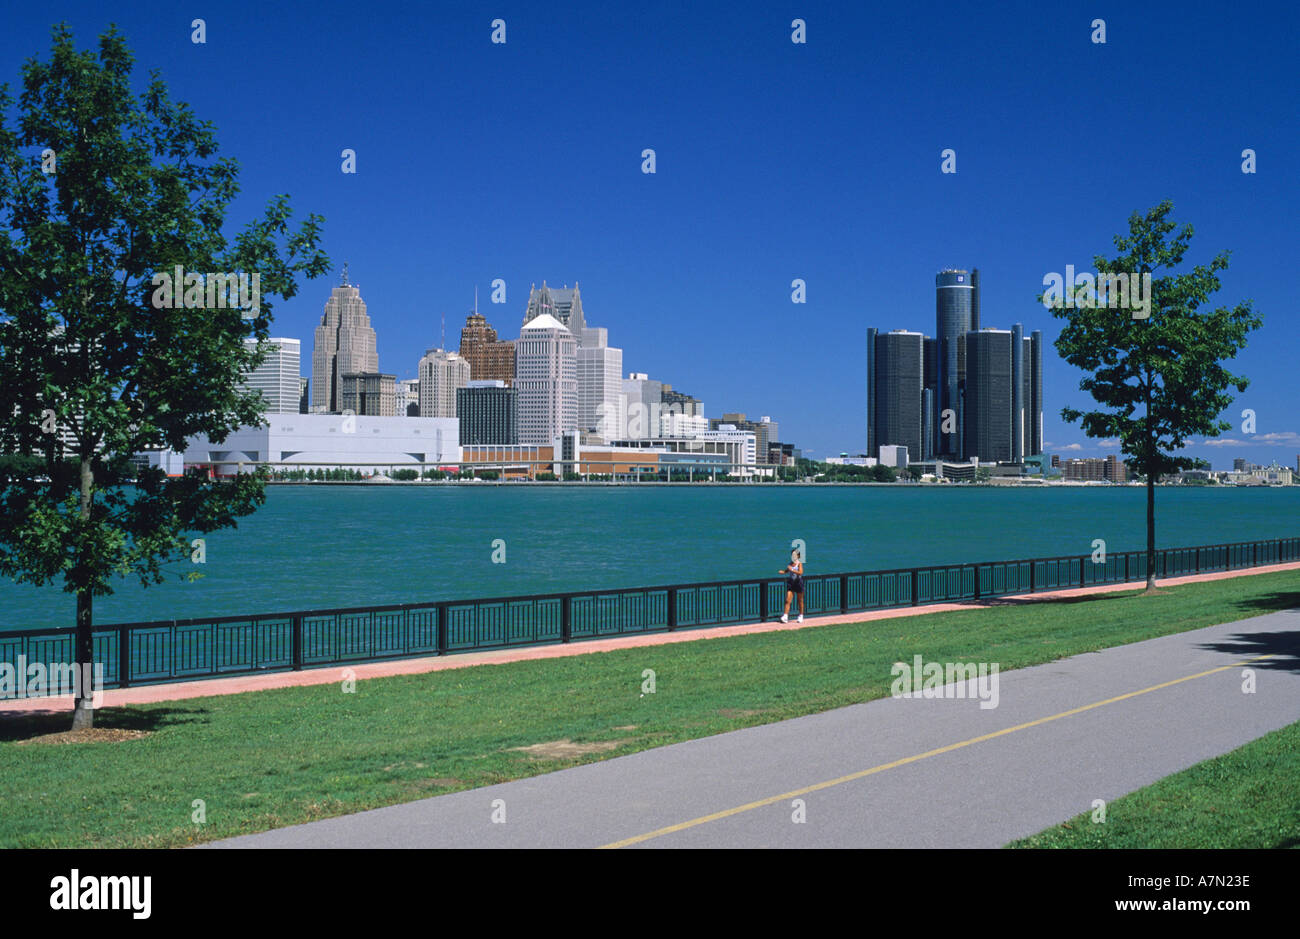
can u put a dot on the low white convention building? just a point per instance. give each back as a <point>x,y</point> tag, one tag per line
<point>296,441</point>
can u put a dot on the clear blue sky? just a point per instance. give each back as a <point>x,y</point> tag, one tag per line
<point>775,161</point>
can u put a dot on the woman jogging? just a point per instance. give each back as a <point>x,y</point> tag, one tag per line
<point>793,584</point>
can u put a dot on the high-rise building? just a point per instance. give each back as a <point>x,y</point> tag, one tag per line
<point>345,343</point>
<point>642,399</point>
<point>546,356</point>
<point>408,398</point>
<point>562,303</point>
<point>600,385</point>
<point>765,431</point>
<point>368,393</point>
<point>987,432</point>
<point>956,313</point>
<point>489,359</point>
<point>489,414</point>
<point>279,378</point>
<point>1034,393</point>
<point>441,373</point>
<point>899,372</point>
<point>304,399</point>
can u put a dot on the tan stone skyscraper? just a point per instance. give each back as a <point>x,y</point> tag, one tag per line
<point>489,359</point>
<point>345,343</point>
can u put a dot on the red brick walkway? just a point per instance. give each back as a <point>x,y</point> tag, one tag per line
<point>177,691</point>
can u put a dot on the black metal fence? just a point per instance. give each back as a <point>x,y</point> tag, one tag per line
<point>191,649</point>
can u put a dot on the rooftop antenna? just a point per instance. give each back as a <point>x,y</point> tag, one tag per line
<point>476,299</point>
<point>444,332</point>
<point>344,281</point>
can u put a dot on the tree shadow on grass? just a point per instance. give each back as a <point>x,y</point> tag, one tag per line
<point>1270,602</point>
<point>24,726</point>
<point>1054,601</point>
<point>1283,646</point>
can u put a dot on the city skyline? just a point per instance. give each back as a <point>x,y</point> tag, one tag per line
<point>708,246</point>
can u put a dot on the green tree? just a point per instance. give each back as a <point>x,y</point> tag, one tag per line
<point>1159,379</point>
<point>102,187</point>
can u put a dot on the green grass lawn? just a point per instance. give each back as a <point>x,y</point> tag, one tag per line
<point>1249,798</point>
<point>271,758</point>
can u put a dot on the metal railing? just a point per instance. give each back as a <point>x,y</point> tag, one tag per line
<point>192,649</point>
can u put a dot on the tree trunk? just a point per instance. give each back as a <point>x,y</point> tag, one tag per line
<point>1151,531</point>
<point>83,715</point>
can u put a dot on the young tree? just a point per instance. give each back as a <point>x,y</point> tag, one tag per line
<point>1159,379</point>
<point>101,188</point>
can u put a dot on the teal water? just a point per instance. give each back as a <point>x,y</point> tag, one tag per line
<point>318,547</point>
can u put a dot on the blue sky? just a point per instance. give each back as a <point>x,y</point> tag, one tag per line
<point>775,161</point>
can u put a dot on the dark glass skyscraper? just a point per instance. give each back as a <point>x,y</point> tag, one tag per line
<point>956,313</point>
<point>989,394</point>
<point>899,371</point>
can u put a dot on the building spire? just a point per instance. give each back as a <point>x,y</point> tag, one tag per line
<point>344,281</point>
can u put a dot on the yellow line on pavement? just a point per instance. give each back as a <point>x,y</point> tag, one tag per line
<point>795,793</point>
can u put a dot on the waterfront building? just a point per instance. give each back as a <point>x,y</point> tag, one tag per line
<point>489,359</point>
<point>897,374</point>
<point>600,385</point>
<point>956,314</point>
<point>441,373</point>
<point>640,406</point>
<point>408,398</point>
<point>279,378</point>
<point>297,441</point>
<point>371,393</point>
<point>989,402</point>
<point>1092,469</point>
<point>344,344</point>
<point>488,412</point>
<point>564,304</point>
<point>546,355</point>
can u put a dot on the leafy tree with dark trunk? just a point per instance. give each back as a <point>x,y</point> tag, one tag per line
<point>1158,378</point>
<point>102,187</point>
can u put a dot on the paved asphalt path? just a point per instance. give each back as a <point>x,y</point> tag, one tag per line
<point>894,772</point>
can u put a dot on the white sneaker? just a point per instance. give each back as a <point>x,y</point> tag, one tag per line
<point>800,619</point>
<point>784,618</point>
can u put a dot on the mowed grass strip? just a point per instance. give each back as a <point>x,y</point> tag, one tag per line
<point>1249,798</point>
<point>266,759</point>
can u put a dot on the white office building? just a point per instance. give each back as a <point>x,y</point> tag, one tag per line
<point>279,378</point>
<point>673,423</point>
<point>600,385</point>
<point>894,455</point>
<point>295,441</point>
<point>546,364</point>
<point>408,398</point>
<point>640,406</point>
<point>441,373</point>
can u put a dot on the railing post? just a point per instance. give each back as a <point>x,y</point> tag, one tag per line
<point>1082,560</point>
<point>915,595</point>
<point>844,593</point>
<point>1031,576</point>
<point>297,643</point>
<point>672,608</point>
<point>977,581</point>
<point>566,605</point>
<point>443,629</point>
<point>123,656</point>
<point>762,601</point>
<point>1126,567</point>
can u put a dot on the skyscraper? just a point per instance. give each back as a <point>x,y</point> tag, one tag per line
<point>546,356</point>
<point>1034,395</point>
<point>488,412</point>
<point>987,428</point>
<point>899,372</point>
<point>562,303</point>
<point>345,343</point>
<point>489,359</point>
<point>956,311</point>
<point>441,373</point>
<point>278,378</point>
<point>600,385</point>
